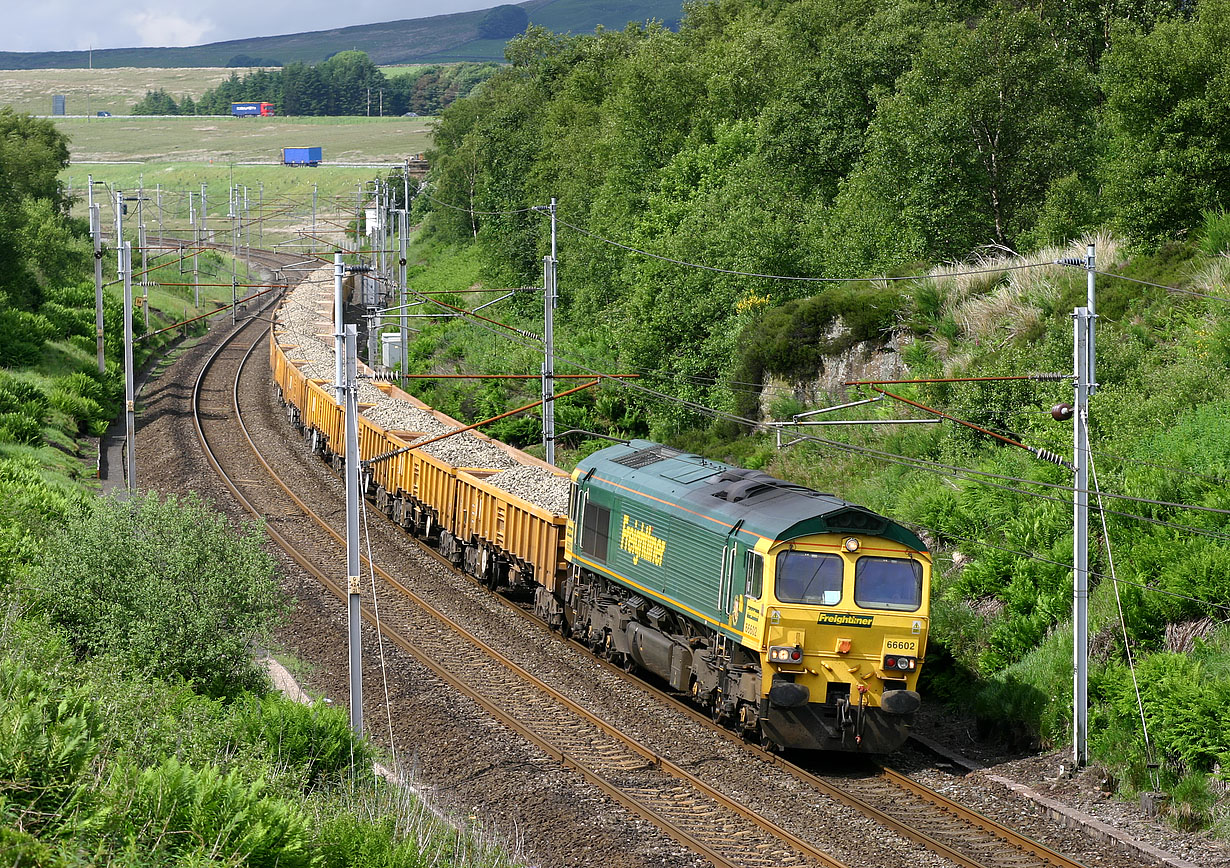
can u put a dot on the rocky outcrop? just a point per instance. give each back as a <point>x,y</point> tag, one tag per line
<point>866,360</point>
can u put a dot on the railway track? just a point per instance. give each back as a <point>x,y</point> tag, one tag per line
<point>895,801</point>
<point>712,824</point>
<point>642,780</point>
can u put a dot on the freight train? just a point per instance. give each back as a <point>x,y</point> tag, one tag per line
<point>792,616</point>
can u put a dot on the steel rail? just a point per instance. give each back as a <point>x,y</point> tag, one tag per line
<point>565,758</point>
<point>850,800</point>
<point>972,817</point>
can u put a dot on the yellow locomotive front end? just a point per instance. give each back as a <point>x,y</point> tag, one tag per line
<point>842,623</point>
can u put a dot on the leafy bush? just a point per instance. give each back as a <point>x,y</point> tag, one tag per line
<point>24,426</point>
<point>198,816</point>
<point>48,738</point>
<point>1215,234</point>
<point>170,586</point>
<point>1028,703</point>
<point>23,406</point>
<point>314,744</point>
<point>22,335</point>
<point>86,412</point>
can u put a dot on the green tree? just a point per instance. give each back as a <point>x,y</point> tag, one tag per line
<point>32,153</point>
<point>156,102</point>
<point>1167,100</point>
<point>353,82</point>
<point>962,154</point>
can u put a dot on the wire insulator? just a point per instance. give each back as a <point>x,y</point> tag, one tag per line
<point>1047,455</point>
<point>1050,377</point>
<point>1073,261</point>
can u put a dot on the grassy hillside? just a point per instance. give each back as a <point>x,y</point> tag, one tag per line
<point>225,139</point>
<point>435,39</point>
<point>88,91</point>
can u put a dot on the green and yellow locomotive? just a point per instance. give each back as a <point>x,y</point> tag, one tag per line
<point>794,616</point>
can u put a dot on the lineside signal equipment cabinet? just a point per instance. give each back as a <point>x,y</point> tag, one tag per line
<point>301,156</point>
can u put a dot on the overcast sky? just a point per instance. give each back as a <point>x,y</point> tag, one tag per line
<point>66,25</point>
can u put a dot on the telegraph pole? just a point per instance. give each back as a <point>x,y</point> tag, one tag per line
<point>402,278</point>
<point>550,300</point>
<point>339,333</point>
<point>130,402</point>
<point>247,219</point>
<point>1082,322</point>
<point>96,235</point>
<point>233,208</point>
<point>141,245</point>
<point>353,576</point>
<point>1085,384</point>
<point>119,230</point>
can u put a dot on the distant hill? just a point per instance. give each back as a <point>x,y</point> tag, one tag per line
<point>441,38</point>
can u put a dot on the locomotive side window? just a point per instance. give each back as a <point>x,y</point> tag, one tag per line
<point>595,530</point>
<point>811,578</point>
<point>888,583</point>
<point>755,576</point>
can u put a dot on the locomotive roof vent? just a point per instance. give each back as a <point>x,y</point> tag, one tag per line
<point>857,520</point>
<point>744,485</point>
<point>645,457</point>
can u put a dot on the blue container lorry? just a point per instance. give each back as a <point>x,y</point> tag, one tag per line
<point>301,156</point>
<point>252,109</point>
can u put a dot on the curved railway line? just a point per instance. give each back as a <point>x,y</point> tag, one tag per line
<point>646,783</point>
<point>700,814</point>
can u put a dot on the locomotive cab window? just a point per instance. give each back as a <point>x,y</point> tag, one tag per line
<point>888,583</point>
<point>755,576</point>
<point>811,578</point>
<point>595,530</point>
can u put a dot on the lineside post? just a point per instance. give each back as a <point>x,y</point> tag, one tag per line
<point>550,300</point>
<point>339,333</point>
<point>130,402</point>
<point>1082,352</point>
<point>96,234</point>
<point>401,280</point>
<point>353,576</point>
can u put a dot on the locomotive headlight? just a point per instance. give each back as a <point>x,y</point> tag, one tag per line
<point>850,545</point>
<point>785,654</point>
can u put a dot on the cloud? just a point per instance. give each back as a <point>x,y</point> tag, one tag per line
<point>58,25</point>
<point>156,29</point>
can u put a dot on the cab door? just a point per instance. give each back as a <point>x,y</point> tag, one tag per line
<point>732,588</point>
